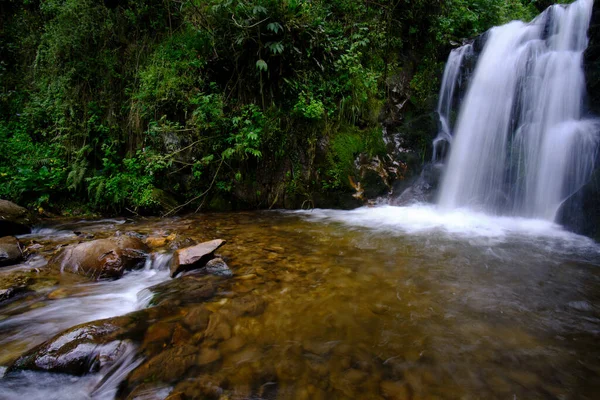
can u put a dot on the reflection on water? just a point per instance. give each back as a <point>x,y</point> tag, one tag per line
<point>375,303</point>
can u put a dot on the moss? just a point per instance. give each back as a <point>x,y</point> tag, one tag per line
<point>345,146</point>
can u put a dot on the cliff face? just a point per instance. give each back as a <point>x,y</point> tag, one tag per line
<point>581,212</point>
<point>592,62</point>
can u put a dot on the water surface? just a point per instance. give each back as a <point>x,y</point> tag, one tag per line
<point>375,303</point>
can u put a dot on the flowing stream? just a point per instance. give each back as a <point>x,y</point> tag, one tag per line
<point>371,303</point>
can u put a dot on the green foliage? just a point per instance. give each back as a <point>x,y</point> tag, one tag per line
<point>468,18</point>
<point>111,105</point>
<point>30,173</point>
<point>246,133</point>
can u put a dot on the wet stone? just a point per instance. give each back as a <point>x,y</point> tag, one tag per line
<point>232,345</point>
<point>217,266</point>
<point>197,318</point>
<point>394,390</point>
<point>180,335</point>
<point>11,293</point>
<point>218,328</point>
<point>208,356</point>
<point>102,258</point>
<point>194,257</point>
<point>157,336</point>
<point>150,392</point>
<point>77,351</point>
<point>248,305</point>
<point>185,290</point>
<point>204,386</point>
<point>10,251</point>
<point>168,366</point>
<point>14,220</point>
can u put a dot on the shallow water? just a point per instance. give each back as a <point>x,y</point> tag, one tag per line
<point>383,302</point>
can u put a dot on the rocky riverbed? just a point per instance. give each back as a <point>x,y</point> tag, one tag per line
<point>321,305</point>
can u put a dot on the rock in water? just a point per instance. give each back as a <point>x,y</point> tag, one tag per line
<point>14,220</point>
<point>10,251</point>
<point>102,258</point>
<point>194,257</point>
<point>80,350</point>
<point>217,266</point>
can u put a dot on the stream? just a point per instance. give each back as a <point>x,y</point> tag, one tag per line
<point>375,303</point>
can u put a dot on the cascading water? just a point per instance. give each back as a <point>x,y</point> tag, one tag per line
<point>451,81</point>
<point>520,144</point>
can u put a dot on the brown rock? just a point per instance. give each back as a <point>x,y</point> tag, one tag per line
<point>154,241</point>
<point>102,258</point>
<point>10,251</point>
<point>14,220</point>
<point>180,336</point>
<point>197,318</point>
<point>232,345</point>
<point>208,356</point>
<point>394,390</point>
<point>194,257</point>
<point>218,328</point>
<point>188,289</point>
<point>168,366</point>
<point>157,337</point>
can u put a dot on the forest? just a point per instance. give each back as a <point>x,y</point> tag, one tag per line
<point>159,106</point>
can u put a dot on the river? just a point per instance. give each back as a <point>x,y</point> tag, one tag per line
<point>383,302</point>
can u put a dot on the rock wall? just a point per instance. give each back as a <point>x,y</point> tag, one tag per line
<point>581,212</point>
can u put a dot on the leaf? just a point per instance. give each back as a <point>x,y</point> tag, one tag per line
<point>259,10</point>
<point>275,27</point>
<point>275,47</point>
<point>261,65</point>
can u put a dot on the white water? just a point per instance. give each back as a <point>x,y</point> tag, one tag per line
<point>451,81</point>
<point>92,301</point>
<point>27,327</point>
<point>459,224</point>
<point>521,145</point>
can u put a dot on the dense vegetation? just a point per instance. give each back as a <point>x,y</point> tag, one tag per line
<point>160,105</point>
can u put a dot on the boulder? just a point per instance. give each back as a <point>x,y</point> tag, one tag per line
<point>10,251</point>
<point>77,351</point>
<point>194,257</point>
<point>102,258</point>
<point>91,346</point>
<point>580,213</point>
<point>11,293</point>
<point>421,189</point>
<point>14,220</point>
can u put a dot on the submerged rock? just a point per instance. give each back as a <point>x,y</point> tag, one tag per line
<point>194,257</point>
<point>14,220</point>
<point>216,266</point>
<point>187,289</point>
<point>102,258</point>
<point>10,251</point>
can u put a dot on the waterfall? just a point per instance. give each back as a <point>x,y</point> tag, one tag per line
<point>452,80</point>
<point>520,145</point>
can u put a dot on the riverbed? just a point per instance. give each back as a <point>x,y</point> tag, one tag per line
<point>375,303</point>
